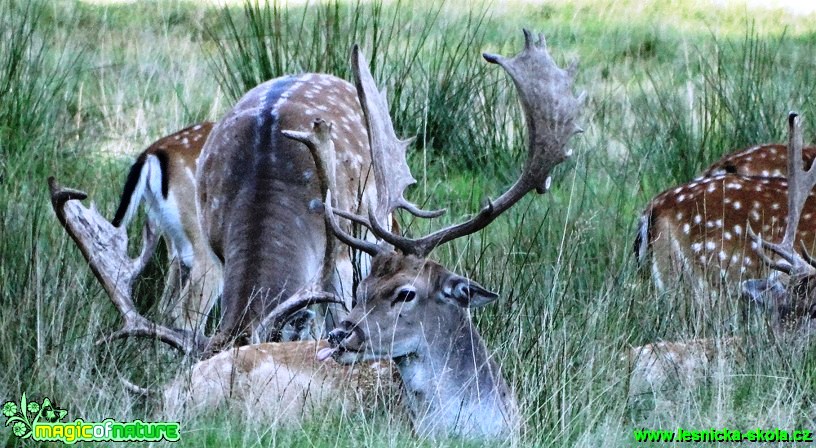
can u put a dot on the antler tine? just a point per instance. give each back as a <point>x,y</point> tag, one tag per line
<point>105,249</point>
<point>321,146</point>
<point>550,111</point>
<point>391,173</point>
<point>800,184</point>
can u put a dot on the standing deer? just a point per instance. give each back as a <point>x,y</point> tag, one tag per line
<point>260,199</point>
<point>769,160</point>
<point>164,177</point>
<point>409,309</point>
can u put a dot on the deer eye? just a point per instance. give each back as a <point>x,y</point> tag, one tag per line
<point>406,294</point>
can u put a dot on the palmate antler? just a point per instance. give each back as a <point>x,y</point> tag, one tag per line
<point>105,248</point>
<point>800,184</point>
<point>550,111</point>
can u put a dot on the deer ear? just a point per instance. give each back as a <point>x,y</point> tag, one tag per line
<point>465,292</point>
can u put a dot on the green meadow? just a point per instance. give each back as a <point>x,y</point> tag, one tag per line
<point>671,86</point>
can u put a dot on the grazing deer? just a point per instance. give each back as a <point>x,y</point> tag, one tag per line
<point>789,300</point>
<point>769,160</point>
<point>260,198</point>
<point>410,309</point>
<point>164,177</point>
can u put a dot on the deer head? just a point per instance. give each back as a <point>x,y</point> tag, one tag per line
<point>412,309</point>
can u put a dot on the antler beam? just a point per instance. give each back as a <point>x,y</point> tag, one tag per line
<point>550,110</point>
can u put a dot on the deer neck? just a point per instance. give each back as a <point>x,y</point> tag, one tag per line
<point>256,276</point>
<point>454,387</point>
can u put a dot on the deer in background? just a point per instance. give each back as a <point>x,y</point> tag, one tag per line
<point>787,295</point>
<point>697,232</point>
<point>164,177</point>
<point>409,309</point>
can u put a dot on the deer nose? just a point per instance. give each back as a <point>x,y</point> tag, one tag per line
<point>339,334</point>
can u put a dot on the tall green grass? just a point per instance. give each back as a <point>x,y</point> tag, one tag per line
<point>668,92</point>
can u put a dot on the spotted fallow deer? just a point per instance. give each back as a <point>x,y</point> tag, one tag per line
<point>164,177</point>
<point>768,160</point>
<point>787,295</point>
<point>697,232</point>
<point>260,199</point>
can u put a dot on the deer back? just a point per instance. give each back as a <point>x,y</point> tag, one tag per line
<point>259,196</point>
<point>699,230</point>
<point>280,383</point>
<point>768,160</point>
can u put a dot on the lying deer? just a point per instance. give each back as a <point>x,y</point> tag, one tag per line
<point>409,309</point>
<point>786,295</point>
<point>698,232</point>
<point>164,177</point>
<point>768,160</point>
<point>414,311</point>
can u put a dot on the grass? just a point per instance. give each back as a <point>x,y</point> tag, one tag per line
<point>671,86</point>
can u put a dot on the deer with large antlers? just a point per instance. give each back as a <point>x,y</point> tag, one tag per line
<point>413,310</point>
<point>163,176</point>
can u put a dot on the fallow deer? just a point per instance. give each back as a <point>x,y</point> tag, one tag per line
<point>413,310</point>
<point>768,160</point>
<point>409,309</point>
<point>787,295</point>
<point>698,232</point>
<point>164,177</point>
<point>260,199</point>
